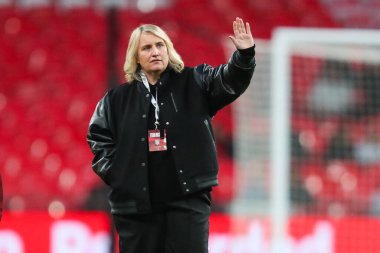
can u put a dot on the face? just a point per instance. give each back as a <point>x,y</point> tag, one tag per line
<point>152,54</point>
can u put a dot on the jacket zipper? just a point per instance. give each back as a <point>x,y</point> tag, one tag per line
<point>174,104</point>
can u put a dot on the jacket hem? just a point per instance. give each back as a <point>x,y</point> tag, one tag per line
<point>123,208</point>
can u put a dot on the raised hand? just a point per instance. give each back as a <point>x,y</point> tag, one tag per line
<point>243,37</point>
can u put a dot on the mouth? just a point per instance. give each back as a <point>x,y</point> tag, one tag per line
<point>156,60</point>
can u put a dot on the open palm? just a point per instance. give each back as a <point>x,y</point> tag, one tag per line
<point>243,37</point>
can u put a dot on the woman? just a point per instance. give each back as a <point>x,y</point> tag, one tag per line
<point>154,145</point>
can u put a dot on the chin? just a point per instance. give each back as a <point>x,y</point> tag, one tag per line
<point>160,69</point>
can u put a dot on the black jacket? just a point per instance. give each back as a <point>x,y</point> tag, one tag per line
<point>117,132</point>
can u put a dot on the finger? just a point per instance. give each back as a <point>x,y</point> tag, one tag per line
<point>238,25</point>
<point>235,28</point>
<point>248,28</point>
<point>242,26</point>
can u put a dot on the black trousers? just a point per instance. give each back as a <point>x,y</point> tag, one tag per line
<point>181,227</point>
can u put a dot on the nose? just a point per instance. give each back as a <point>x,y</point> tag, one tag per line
<point>155,51</point>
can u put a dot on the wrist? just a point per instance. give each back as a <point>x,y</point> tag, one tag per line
<point>250,51</point>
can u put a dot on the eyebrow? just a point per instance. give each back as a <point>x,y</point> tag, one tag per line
<point>155,43</point>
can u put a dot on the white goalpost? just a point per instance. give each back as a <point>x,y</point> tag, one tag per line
<point>339,44</point>
<point>283,165</point>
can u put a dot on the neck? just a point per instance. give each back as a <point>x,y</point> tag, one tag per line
<point>153,77</point>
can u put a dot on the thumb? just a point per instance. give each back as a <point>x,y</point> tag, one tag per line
<point>233,40</point>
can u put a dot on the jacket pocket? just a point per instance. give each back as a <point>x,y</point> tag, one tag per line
<point>210,133</point>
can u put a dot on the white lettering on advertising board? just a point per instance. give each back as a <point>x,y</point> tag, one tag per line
<point>11,242</point>
<point>76,237</point>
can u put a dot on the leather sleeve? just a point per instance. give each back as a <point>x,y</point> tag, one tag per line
<point>225,83</point>
<point>100,139</point>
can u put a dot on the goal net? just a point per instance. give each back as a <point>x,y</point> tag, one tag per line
<point>307,140</point>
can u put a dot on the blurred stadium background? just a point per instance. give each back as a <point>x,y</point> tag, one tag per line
<point>58,57</point>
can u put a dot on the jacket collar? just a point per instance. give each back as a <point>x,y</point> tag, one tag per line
<point>162,83</point>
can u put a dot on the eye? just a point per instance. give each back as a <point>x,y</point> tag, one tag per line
<point>145,48</point>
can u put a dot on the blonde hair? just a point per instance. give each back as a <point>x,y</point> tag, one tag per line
<point>131,67</point>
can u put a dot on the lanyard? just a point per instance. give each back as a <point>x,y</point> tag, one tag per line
<point>153,100</point>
